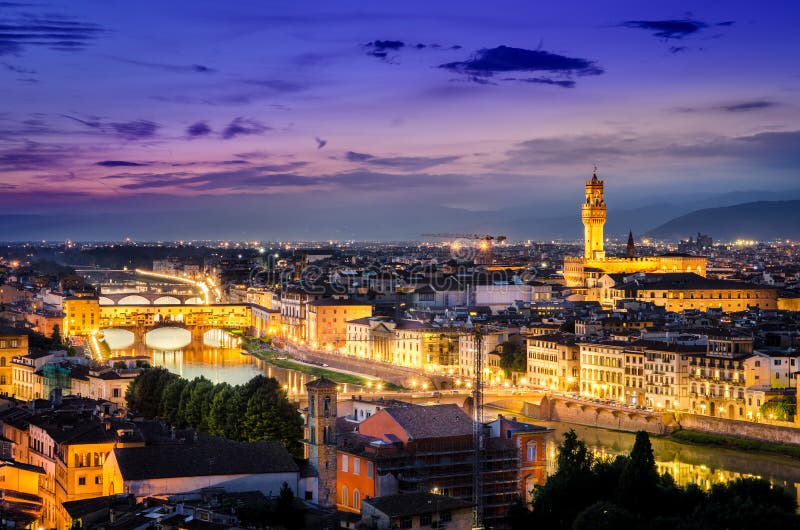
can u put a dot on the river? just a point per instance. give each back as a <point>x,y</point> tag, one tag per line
<point>218,357</point>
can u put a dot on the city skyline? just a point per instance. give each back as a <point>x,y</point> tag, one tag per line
<point>347,121</point>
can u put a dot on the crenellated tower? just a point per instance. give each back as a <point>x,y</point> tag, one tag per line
<point>593,214</point>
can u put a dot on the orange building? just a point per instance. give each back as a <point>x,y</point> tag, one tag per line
<point>327,318</point>
<point>13,343</point>
<point>430,448</point>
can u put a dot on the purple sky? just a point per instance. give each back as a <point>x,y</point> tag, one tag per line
<point>338,116</point>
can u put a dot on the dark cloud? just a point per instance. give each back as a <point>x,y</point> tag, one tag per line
<point>490,61</point>
<point>672,29</point>
<point>352,156</point>
<point>734,107</point>
<point>128,130</point>
<point>166,67</point>
<point>135,130</point>
<point>745,106</point>
<point>251,179</point>
<point>200,128</point>
<point>33,156</point>
<point>563,83</point>
<point>17,69</point>
<point>383,48</point>
<point>51,31</point>
<point>119,163</point>
<point>403,163</point>
<point>242,127</point>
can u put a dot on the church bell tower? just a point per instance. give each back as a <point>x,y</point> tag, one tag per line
<point>593,214</point>
<point>320,438</point>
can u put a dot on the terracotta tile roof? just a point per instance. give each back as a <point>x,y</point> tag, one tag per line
<point>435,421</point>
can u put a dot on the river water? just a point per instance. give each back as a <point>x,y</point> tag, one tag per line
<point>218,357</point>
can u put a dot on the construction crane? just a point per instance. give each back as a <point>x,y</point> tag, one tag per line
<point>484,245</point>
<point>477,433</point>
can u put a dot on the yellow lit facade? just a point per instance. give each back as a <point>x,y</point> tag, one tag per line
<point>11,345</point>
<point>553,362</point>
<point>327,322</point>
<point>81,316</point>
<point>579,270</point>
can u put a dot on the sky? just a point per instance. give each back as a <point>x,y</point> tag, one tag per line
<point>355,119</point>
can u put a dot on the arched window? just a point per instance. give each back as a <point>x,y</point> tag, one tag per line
<point>327,407</point>
<point>344,495</point>
<point>2,361</point>
<point>356,500</point>
<point>530,450</point>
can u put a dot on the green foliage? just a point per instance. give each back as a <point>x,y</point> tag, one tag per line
<point>628,493</point>
<point>513,357</point>
<point>779,409</point>
<point>257,410</point>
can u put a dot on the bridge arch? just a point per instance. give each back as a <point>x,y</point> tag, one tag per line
<point>133,299</point>
<point>166,300</point>
<point>194,300</point>
<point>104,300</point>
<point>168,338</point>
<point>118,338</point>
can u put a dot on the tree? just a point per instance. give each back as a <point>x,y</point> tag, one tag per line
<point>55,337</point>
<point>513,357</point>
<point>639,479</point>
<point>782,409</point>
<point>604,516</point>
<point>171,400</point>
<point>145,391</point>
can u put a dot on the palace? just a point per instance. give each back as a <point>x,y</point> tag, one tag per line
<point>583,271</point>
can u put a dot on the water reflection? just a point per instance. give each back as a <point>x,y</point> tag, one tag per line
<point>218,357</point>
<point>687,464</point>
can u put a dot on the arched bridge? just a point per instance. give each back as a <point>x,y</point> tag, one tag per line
<point>107,299</point>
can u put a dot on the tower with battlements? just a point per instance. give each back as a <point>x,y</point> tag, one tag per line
<point>593,214</point>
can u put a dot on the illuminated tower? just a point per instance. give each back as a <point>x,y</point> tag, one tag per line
<point>631,250</point>
<point>593,214</point>
<point>321,437</point>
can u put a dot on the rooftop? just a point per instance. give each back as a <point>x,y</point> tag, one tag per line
<point>417,503</point>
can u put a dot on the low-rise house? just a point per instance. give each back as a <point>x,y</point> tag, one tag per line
<point>416,510</point>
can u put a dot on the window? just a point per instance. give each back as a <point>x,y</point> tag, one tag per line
<point>357,500</point>
<point>98,479</point>
<point>370,469</point>
<point>344,495</point>
<point>531,451</point>
<point>425,519</point>
<point>81,481</point>
<point>345,463</point>
<point>115,392</point>
<point>445,517</point>
<point>356,466</point>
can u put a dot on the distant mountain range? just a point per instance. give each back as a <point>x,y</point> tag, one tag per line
<point>761,220</point>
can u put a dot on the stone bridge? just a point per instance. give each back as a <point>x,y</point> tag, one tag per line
<point>147,298</point>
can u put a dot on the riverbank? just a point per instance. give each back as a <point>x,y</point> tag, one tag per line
<point>279,359</point>
<point>689,437</point>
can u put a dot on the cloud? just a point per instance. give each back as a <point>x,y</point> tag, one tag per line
<point>135,130</point>
<point>119,163</point>
<point>404,163</point>
<point>17,69</point>
<point>672,28</point>
<point>352,156</point>
<point>733,107</point>
<point>250,179</point>
<point>128,130</point>
<point>747,106</point>
<point>243,126</point>
<point>53,32</point>
<point>563,83</point>
<point>383,48</point>
<point>487,62</point>
<point>200,128</point>
<point>33,156</point>
<point>320,142</point>
<point>166,67</point>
